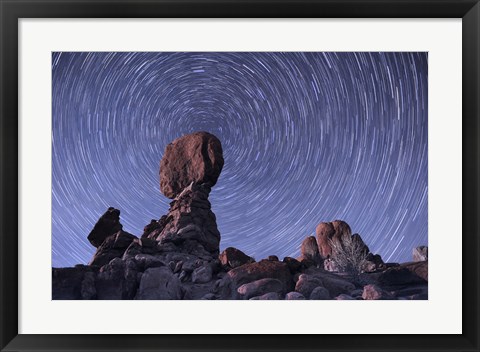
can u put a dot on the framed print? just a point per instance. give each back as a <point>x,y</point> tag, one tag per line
<point>239,176</point>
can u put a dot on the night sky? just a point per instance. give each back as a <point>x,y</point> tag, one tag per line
<point>307,137</point>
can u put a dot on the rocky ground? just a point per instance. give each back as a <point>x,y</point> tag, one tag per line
<point>177,256</point>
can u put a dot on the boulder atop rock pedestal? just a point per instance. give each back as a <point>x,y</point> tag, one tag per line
<point>107,225</point>
<point>196,157</point>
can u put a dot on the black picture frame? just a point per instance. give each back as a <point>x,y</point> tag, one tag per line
<point>13,10</point>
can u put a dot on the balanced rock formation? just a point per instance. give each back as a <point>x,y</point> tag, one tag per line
<point>177,256</point>
<point>189,168</point>
<point>196,157</point>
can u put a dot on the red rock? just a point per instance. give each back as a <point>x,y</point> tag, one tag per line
<point>261,270</point>
<point>196,157</point>
<point>373,292</point>
<point>232,257</point>
<point>330,231</point>
<point>309,251</point>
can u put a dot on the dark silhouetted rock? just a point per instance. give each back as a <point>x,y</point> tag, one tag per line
<point>404,275</point>
<point>272,258</point>
<point>69,283</point>
<point>418,268</point>
<point>420,254</point>
<point>232,257</point>
<point>260,287</point>
<point>107,225</point>
<point>110,282</point>
<point>320,293</point>
<point>293,264</point>
<point>373,262</point>
<point>159,283</point>
<point>196,157</point>
<point>113,246</point>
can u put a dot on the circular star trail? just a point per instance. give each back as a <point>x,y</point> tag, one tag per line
<point>307,137</point>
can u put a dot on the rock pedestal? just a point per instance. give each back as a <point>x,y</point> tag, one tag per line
<point>190,222</point>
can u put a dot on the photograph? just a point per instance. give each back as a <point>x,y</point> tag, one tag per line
<point>239,175</point>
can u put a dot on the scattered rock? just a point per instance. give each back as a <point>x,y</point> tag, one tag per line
<point>294,296</point>
<point>307,283</point>
<point>320,293</point>
<point>344,297</point>
<point>293,264</point>
<point>420,254</point>
<point>404,275</point>
<point>261,270</point>
<point>112,247</point>
<point>202,274</point>
<point>268,296</point>
<point>159,283</point>
<point>373,292</point>
<point>260,287</point>
<point>232,257</point>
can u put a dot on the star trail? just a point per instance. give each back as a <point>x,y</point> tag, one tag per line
<point>307,137</point>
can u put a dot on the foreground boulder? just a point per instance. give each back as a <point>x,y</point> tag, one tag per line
<point>261,287</point>
<point>196,157</point>
<point>247,273</point>
<point>159,283</point>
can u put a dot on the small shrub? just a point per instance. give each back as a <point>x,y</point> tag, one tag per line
<point>349,256</point>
